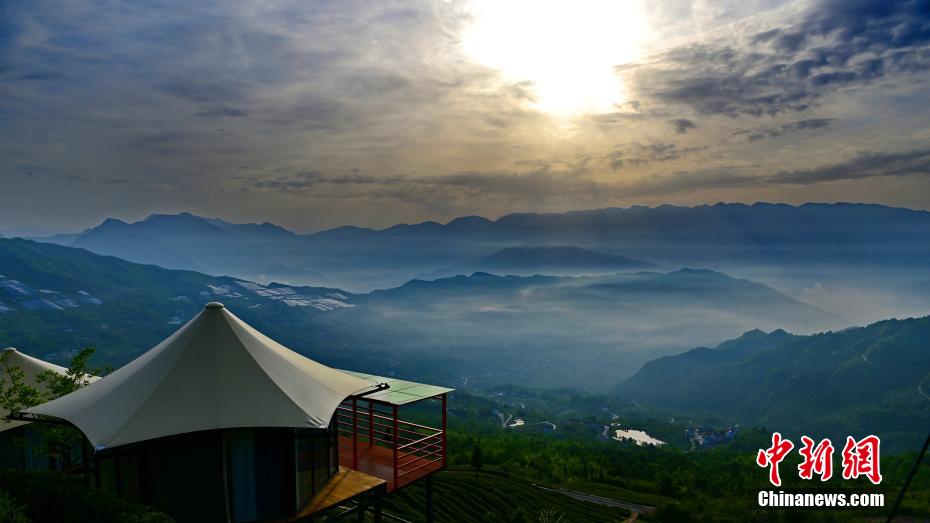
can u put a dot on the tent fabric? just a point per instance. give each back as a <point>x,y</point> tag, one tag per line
<point>32,368</point>
<point>214,372</point>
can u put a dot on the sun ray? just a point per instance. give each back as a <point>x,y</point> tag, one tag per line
<point>567,51</point>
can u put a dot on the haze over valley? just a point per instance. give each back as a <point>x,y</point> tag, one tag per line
<point>483,302</point>
<point>834,256</point>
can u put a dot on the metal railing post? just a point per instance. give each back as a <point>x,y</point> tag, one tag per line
<point>371,422</point>
<point>354,433</point>
<point>395,441</point>
<point>444,429</point>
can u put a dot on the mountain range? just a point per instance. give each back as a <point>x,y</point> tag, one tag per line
<point>481,329</point>
<point>795,247</point>
<point>873,379</point>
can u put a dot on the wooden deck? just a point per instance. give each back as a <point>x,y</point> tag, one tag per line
<point>347,484</point>
<point>378,461</point>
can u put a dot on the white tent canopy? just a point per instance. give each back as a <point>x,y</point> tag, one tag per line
<point>214,372</point>
<point>32,368</point>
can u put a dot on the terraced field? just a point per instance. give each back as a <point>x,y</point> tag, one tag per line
<point>461,494</point>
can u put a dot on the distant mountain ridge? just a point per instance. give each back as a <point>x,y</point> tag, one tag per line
<point>361,259</point>
<point>654,216</point>
<point>684,222</point>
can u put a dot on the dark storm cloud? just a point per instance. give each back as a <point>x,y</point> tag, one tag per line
<point>840,43</point>
<point>760,133</point>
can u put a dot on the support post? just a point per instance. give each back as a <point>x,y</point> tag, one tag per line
<point>354,433</point>
<point>444,429</point>
<point>430,512</point>
<point>394,441</point>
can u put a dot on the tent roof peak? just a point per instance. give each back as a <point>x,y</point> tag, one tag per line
<point>214,372</point>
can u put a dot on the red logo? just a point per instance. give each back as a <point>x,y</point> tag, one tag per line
<point>817,460</point>
<point>774,455</point>
<point>860,458</point>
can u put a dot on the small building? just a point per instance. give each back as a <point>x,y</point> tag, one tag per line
<point>220,423</point>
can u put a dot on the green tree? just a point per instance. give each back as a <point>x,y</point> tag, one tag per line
<point>16,395</point>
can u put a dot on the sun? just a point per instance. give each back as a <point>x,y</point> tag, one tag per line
<point>566,50</point>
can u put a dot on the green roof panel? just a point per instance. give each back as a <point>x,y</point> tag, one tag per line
<point>400,392</point>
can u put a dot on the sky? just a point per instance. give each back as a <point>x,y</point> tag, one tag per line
<point>314,114</point>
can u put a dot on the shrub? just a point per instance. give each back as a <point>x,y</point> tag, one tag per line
<point>51,496</point>
<point>10,512</point>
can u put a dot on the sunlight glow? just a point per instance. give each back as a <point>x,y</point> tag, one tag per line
<point>567,50</point>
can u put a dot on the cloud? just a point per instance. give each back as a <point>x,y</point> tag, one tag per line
<point>442,192</point>
<point>760,133</point>
<point>645,153</point>
<point>864,165</point>
<point>682,125</point>
<point>321,113</point>
<point>222,110</point>
<point>791,68</point>
<point>547,186</point>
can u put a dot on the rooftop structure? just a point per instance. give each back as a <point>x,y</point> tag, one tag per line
<point>263,432</point>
